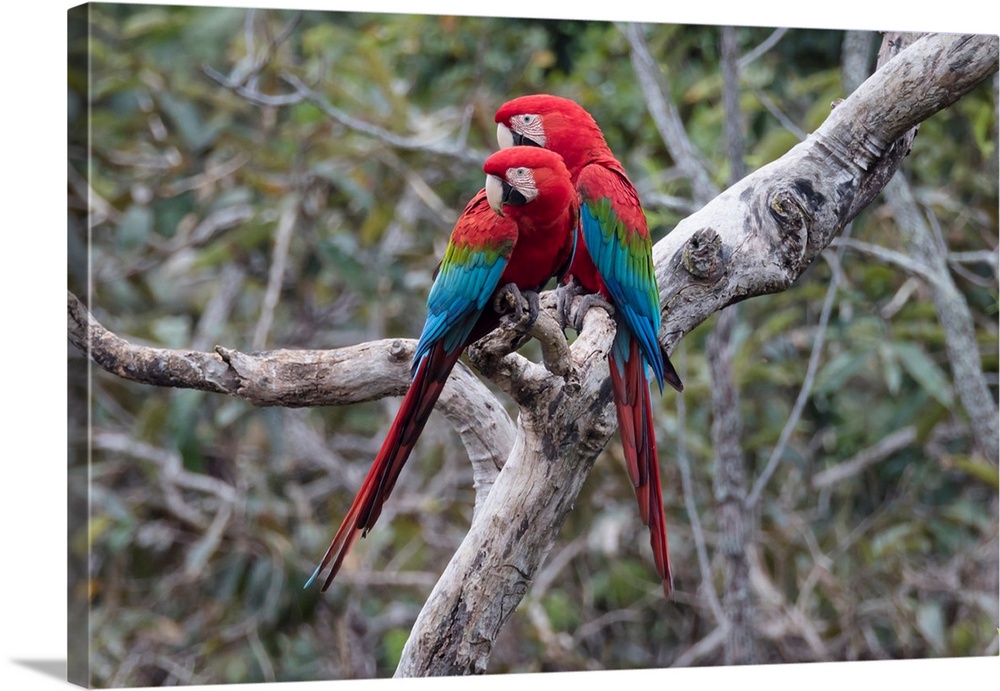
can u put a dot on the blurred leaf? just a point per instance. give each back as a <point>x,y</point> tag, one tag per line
<point>147,20</point>
<point>890,367</point>
<point>172,332</point>
<point>562,612</point>
<point>392,646</point>
<point>184,115</point>
<point>925,371</point>
<point>980,469</point>
<point>930,620</point>
<point>134,228</point>
<point>835,373</point>
<point>891,540</point>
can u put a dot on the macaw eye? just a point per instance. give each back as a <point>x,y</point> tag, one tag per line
<point>522,181</point>
<point>526,119</point>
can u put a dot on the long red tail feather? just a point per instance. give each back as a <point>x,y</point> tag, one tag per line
<point>635,423</point>
<point>426,387</point>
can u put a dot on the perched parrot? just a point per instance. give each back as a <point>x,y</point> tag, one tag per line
<point>614,260</point>
<point>520,230</point>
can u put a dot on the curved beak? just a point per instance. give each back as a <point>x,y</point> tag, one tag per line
<point>495,193</point>
<point>505,138</point>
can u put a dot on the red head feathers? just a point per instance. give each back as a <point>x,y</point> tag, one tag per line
<point>554,123</point>
<point>530,183</point>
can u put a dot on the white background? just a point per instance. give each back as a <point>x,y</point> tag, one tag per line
<point>32,250</point>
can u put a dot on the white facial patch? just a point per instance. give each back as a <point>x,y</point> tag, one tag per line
<point>523,180</point>
<point>529,125</point>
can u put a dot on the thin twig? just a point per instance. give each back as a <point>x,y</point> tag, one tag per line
<point>774,110</point>
<point>229,286</point>
<point>925,241</point>
<point>703,647</point>
<point>252,94</point>
<point>464,155</point>
<point>276,275</point>
<point>665,116</point>
<point>730,477</point>
<point>301,378</point>
<point>764,46</point>
<point>889,256</point>
<point>899,439</point>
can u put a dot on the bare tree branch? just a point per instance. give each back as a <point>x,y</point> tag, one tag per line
<point>803,396</point>
<point>854,465</point>
<point>707,586</point>
<point>665,116</point>
<point>244,77</point>
<point>765,45</point>
<point>460,153</point>
<point>730,473</point>
<point>559,435</point>
<point>276,275</point>
<point>889,256</point>
<point>955,318</point>
<point>299,378</point>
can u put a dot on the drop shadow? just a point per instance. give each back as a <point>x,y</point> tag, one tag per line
<point>50,668</point>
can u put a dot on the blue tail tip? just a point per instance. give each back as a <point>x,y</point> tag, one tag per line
<point>313,577</point>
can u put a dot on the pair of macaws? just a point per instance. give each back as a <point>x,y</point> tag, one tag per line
<point>556,203</point>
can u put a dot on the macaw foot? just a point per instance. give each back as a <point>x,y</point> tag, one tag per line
<point>588,301</point>
<point>510,300</point>
<point>565,294</point>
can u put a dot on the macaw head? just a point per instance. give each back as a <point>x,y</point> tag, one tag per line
<point>554,123</point>
<point>523,181</point>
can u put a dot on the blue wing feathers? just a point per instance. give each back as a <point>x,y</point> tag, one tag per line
<point>625,274</point>
<point>458,296</point>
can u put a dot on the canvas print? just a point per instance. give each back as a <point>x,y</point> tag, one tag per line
<point>410,345</point>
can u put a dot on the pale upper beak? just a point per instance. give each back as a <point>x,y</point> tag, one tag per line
<point>494,192</point>
<point>505,138</point>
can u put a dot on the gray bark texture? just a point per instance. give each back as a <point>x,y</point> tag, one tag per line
<point>730,469</point>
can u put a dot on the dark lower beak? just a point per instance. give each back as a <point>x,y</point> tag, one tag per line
<point>521,140</point>
<point>511,196</point>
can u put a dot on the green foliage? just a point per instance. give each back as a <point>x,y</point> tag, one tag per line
<point>191,181</point>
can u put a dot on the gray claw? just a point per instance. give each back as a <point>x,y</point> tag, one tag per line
<point>510,300</point>
<point>565,294</point>
<point>588,301</point>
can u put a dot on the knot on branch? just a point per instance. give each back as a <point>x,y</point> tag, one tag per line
<point>400,350</point>
<point>793,210</point>
<point>703,254</point>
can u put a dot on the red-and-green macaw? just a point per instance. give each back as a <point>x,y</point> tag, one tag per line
<point>614,260</point>
<point>519,229</point>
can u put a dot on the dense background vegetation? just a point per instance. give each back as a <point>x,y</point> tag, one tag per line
<point>207,515</point>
